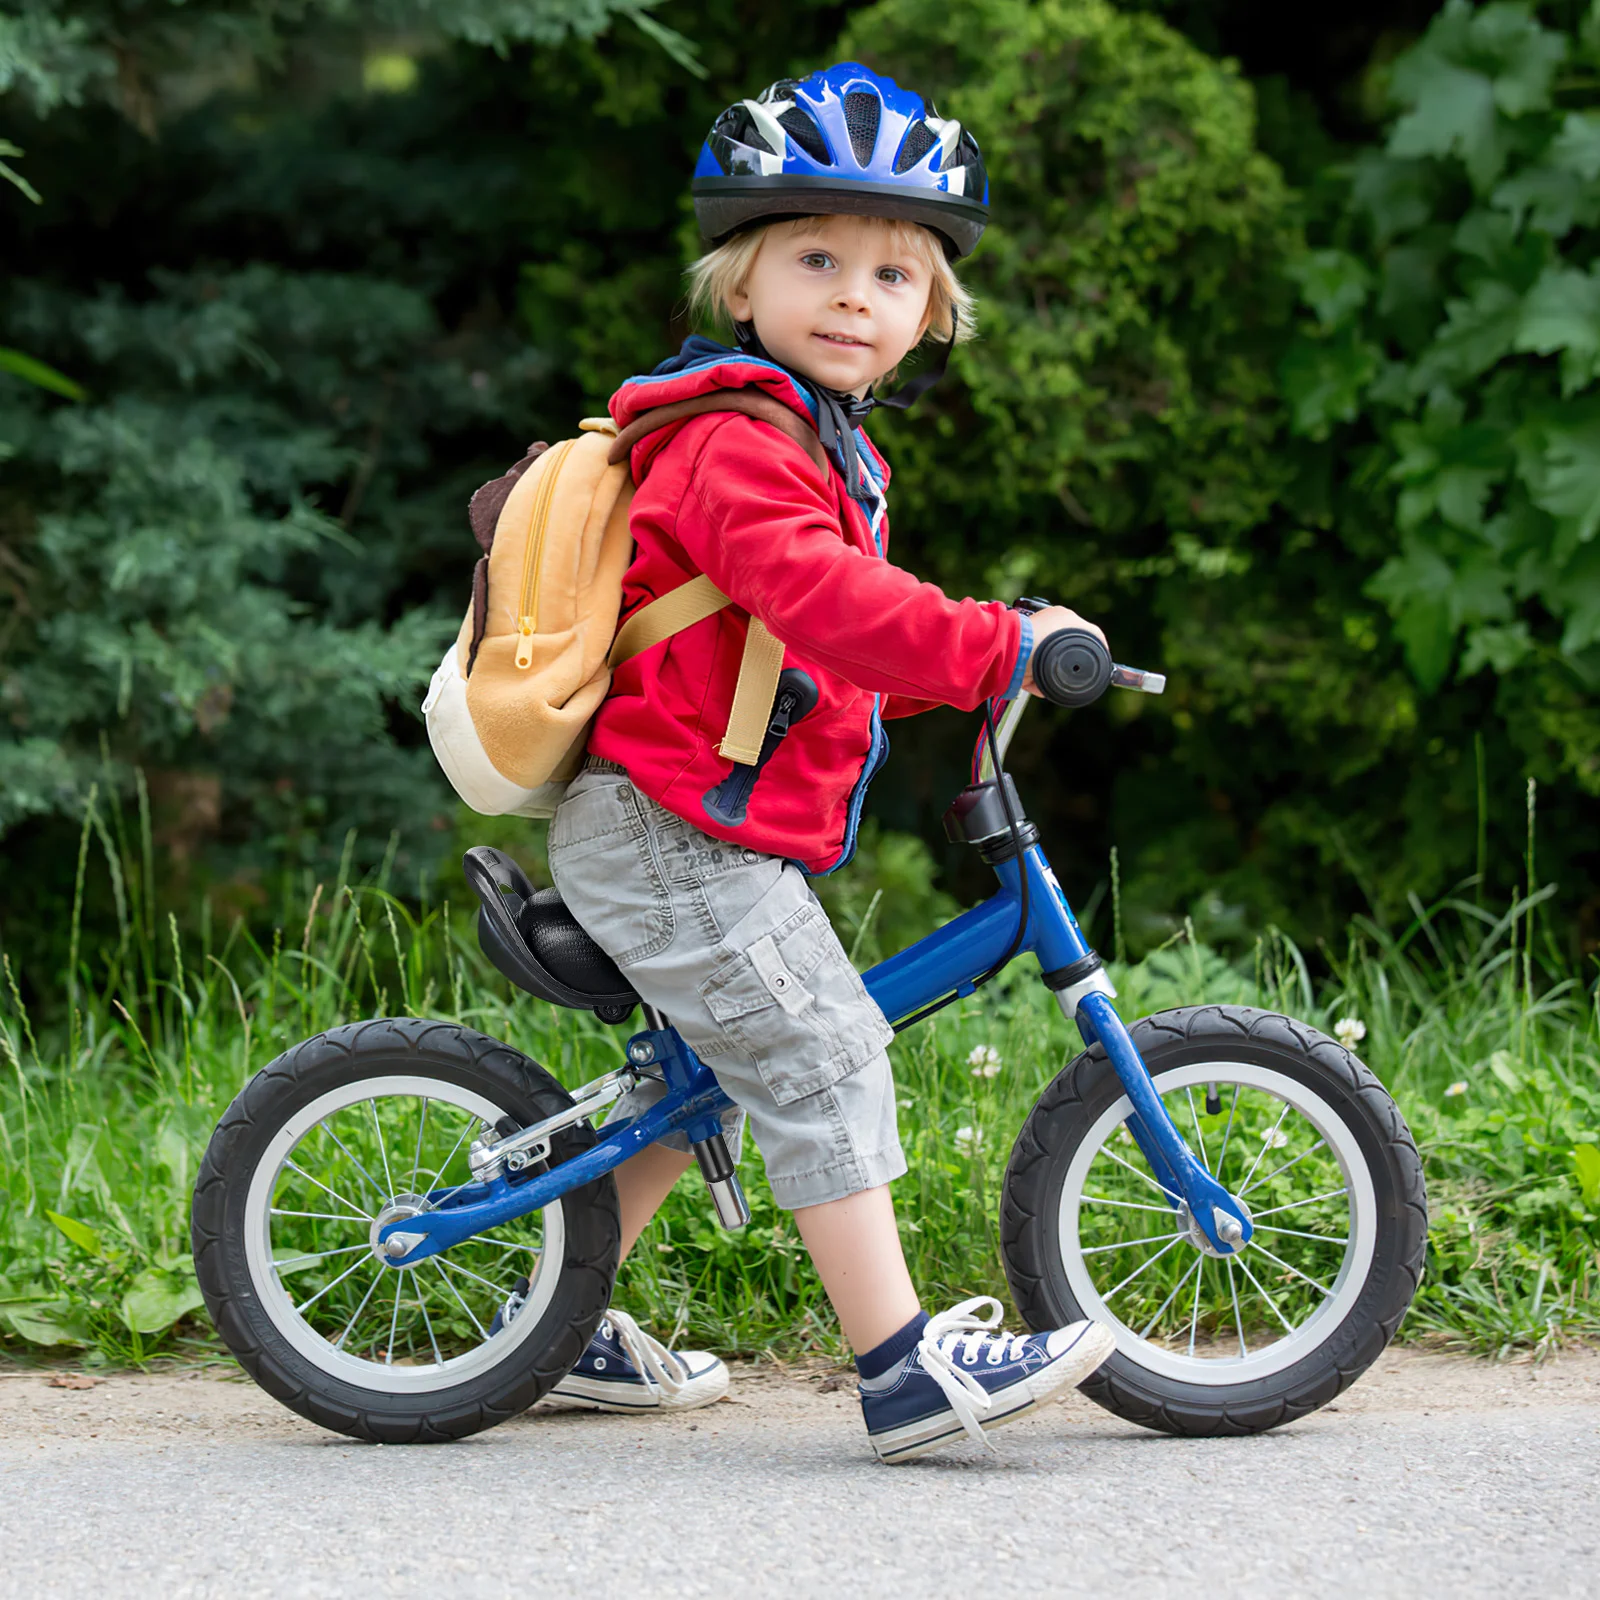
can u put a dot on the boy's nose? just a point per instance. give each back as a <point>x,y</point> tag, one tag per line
<point>852,295</point>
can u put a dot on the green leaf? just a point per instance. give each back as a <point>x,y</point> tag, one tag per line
<point>15,178</point>
<point>1416,586</point>
<point>46,377</point>
<point>1397,195</point>
<point>157,1299</point>
<point>80,1233</point>
<point>1562,312</point>
<point>1453,112</point>
<point>52,1321</point>
<point>1576,149</point>
<point>1500,1064</point>
<point>1586,1158</point>
<point>1501,648</point>
<point>1478,331</point>
<point>1324,379</point>
<point>1333,283</point>
<point>670,40</point>
<point>1569,486</point>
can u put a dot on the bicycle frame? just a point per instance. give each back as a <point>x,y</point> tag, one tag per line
<point>947,961</point>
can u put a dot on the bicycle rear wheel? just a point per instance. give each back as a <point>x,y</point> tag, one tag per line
<point>1300,1131</point>
<point>325,1146</point>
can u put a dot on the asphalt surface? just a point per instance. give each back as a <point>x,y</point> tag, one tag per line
<point>1434,1476</point>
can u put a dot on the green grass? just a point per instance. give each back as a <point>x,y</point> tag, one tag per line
<point>1492,1051</point>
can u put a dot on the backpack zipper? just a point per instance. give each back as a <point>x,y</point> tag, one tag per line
<point>527,619</point>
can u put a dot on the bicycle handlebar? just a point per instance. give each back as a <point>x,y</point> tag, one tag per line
<point>1071,667</point>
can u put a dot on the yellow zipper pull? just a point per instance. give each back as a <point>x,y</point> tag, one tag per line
<point>525,643</point>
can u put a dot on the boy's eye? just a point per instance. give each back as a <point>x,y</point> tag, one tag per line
<point>816,258</point>
<point>893,275</point>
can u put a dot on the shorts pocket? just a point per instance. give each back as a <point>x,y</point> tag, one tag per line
<point>792,999</point>
<point>596,809</point>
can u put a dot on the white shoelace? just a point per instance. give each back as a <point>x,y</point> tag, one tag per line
<point>961,1327</point>
<point>660,1369</point>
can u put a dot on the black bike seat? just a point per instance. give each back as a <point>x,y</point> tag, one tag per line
<point>531,936</point>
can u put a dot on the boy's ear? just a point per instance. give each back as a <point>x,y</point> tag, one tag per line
<point>738,304</point>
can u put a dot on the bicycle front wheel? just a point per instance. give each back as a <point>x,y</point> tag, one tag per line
<point>1304,1135</point>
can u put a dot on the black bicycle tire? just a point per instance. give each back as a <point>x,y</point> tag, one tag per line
<point>1079,1094</point>
<point>294,1079</point>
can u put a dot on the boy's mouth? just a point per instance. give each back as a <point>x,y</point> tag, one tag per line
<point>842,339</point>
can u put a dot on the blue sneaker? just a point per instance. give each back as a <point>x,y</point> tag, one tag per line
<point>625,1369</point>
<point>965,1378</point>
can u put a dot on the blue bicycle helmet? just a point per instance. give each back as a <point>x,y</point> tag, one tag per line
<point>843,139</point>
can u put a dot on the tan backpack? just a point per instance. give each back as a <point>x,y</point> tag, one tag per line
<point>509,708</point>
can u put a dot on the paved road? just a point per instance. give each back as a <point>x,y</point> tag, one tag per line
<point>1435,1476</point>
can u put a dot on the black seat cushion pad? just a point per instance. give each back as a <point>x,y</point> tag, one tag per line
<point>555,937</point>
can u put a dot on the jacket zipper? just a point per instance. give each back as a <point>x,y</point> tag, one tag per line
<point>528,615</point>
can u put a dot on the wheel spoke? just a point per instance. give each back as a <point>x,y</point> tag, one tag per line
<point>1285,1167</point>
<point>1106,1298</point>
<point>1300,1233</point>
<point>1194,1316</point>
<point>506,1244</point>
<point>422,1305</point>
<point>1262,1250</point>
<point>326,1216</point>
<point>455,1266</point>
<point>416,1159</point>
<point>1266,1144</point>
<point>377,1188</point>
<point>1238,1319</point>
<point>366,1216</point>
<point>322,1255</point>
<point>1127,1205</point>
<point>1288,1327</point>
<point>1128,1244</point>
<point>459,1301</point>
<point>1176,1291</point>
<point>1227,1133</point>
<point>1294,1205</point>
<point>301,1308</point>
<point>383,1149</point>
<point>1200,1138</point>
<point>1143,1177</point>
<point>355,1315</point>
<point>394,1323</point>
<point>439,1171</point>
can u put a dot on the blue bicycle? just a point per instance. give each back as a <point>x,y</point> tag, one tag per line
<point>1230,1191</point>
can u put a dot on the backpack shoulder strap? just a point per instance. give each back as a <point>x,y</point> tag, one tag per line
<point>694,601</point>
<point>749,401</point>
<point>759,667</point>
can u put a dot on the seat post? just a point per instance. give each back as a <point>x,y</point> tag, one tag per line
<point>653,1018</point>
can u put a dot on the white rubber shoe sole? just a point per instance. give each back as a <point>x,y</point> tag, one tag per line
<point>706,1383</point>
<point>1089,1351</point>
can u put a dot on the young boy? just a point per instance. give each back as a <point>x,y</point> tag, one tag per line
<point>834,205</point>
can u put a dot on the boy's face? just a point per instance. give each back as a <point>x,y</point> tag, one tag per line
<point>837,299</point>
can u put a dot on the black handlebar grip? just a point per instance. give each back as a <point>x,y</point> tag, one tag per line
<point>1071,667</point>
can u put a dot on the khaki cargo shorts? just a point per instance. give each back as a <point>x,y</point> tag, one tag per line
<point>733,948</point>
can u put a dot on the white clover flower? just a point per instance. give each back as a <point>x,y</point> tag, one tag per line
<point>969,1140</point>
<point>1349,1031</point>
<point>1456,1088</point>
<point>665,1249</point>
<point>1124,1135</point>
<point>1274,1138</point>
<point>984,1061</point>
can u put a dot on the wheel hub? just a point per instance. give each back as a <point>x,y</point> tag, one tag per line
<point>1195,1234</point>
<point>400,1209</point>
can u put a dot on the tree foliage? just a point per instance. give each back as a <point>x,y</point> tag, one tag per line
<point>1453,350</point>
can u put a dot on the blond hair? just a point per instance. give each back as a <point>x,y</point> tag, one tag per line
<point>723,271</point>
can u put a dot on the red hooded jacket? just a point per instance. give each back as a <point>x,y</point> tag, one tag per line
<point>732,497</point>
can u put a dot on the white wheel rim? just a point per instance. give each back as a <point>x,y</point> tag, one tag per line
<point>1285,1348</point>
<point>386,1377</point>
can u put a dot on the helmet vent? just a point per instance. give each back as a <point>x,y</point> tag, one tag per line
<point>918,142</point>
<point>805,133</point>
<point>861,114</point>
